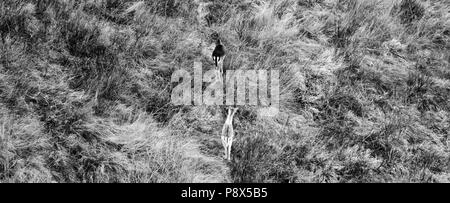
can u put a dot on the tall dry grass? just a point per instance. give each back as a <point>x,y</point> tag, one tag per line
<point>85,91</point>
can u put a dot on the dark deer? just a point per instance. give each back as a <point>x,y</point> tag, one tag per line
<point>218,52</point>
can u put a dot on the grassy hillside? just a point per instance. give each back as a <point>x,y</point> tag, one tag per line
<point>85,91</point>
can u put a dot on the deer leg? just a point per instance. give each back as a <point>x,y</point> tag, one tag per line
<point>230,141</point>
<point>225,134</point>
<point>225,148</point>
<point>230,132</point>
<point>224,139</point>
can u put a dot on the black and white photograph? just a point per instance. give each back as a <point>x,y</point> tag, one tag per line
<point>225,92</point>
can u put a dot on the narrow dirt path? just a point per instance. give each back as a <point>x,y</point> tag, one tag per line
<point>214,167</point>
<point>207,153</point>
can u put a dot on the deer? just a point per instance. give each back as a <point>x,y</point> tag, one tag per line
<point>228,133</point>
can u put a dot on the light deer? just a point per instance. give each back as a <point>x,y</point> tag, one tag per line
<point>228,133</point>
